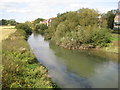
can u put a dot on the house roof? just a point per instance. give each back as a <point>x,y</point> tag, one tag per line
<point>45,21</point>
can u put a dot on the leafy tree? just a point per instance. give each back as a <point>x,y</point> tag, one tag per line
<point>8,22</point>
<point>41,28</point>
<point>38,20</point>
<point>79,28</point>
<point>88,17</point>
<point>12,22</point>
<point>0,22</point>
<point>3,22</point>
<point>110,15</point>
<point>30,24</point>
<point>24,27</point>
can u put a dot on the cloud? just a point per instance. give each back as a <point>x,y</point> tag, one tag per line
<point>18,11</point>
<point>49,8</point>
<point>14,1</point>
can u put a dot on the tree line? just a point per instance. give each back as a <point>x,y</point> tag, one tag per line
<point>84,28</point>
<point>8,22</point>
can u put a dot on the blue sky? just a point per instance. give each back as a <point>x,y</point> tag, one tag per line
<point>28,10</point>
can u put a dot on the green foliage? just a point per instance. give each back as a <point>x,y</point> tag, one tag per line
<point>12,22</point>
<point>3,22</point>
<point>109,16</point>
<point>80,28</point>
<point>41,28</point>
<point>20,67</point>
<point>38,20</point>
<point>101,37</point>
<point>31,25</point>
<point>24,27</point>
<point>8,22</point>
<point>83,35</point>
<point>88,17</point>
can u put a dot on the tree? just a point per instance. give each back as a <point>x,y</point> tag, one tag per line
<point>88,17</point>
<point>8,22</point>
<point>110,15</point>
<point>41,28</point>
<point>29,24</point>
<point>24,27</point>
<point>38,20</point>
<point>12,22</point>
<point>3,22</point>
<point>79,28</point>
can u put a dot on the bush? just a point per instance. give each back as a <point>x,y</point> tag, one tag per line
<point>24,27</point>
<point>101,37</point>
<point>36,21</point>
<point>8,22</point>
<point>90,35</point>
<point>20,67</point>
<point>94,36</point>
<point>83,27</point>
<point>41,28</point>
<point>30,24</point>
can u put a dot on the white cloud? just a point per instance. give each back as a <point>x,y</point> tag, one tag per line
<point>14,1</point>
<point>18,11</point>
<point>49,8</point>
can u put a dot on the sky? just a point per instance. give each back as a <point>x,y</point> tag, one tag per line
<point>29,10</point>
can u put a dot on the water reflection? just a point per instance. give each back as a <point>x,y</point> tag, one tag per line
<point>75,68</point>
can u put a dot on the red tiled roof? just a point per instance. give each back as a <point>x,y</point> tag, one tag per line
<point>45,21</point>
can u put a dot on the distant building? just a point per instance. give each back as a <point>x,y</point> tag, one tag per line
<point>117,21</point>
<point>44,21</point>
<point>47,21</point>
<point>32,21</point>
<point>117,18</point>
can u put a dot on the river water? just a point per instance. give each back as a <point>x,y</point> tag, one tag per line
<point>78,68</point>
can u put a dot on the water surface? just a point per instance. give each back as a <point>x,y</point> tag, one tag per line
<point>78,68</point>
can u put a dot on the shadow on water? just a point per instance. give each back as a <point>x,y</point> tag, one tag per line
<point>76,69</point>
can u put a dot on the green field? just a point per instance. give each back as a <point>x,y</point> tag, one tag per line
<point>114,45</point>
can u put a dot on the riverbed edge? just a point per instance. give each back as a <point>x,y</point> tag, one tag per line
<point>110,48</point>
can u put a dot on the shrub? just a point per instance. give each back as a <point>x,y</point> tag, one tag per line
<point>101,37</point>
<point>24,27</point>
<point>41,28</point>
<point>79,28</point>
<point>20,67</point>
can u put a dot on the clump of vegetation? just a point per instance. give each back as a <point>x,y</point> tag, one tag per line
<point>109,16</point>
<point>41,28</point>
<point>36,21</point>
<point>83,28</point>
<point>30,24</point>
<point>20,68</point>
<point>8,22</point>
<point>24,27</point>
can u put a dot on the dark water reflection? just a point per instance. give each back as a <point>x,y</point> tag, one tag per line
<point>73,69</point>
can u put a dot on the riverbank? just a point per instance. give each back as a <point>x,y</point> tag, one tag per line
<point>76,68</point>
<point>20,68</point>
<point>112,47</point>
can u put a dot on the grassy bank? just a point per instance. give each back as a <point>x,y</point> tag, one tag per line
<point>20,68</point>
<point>113,47</point>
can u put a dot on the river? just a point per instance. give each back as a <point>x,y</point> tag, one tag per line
<point>76,68</point>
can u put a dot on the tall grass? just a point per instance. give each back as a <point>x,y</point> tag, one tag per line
<point>20,67</point>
